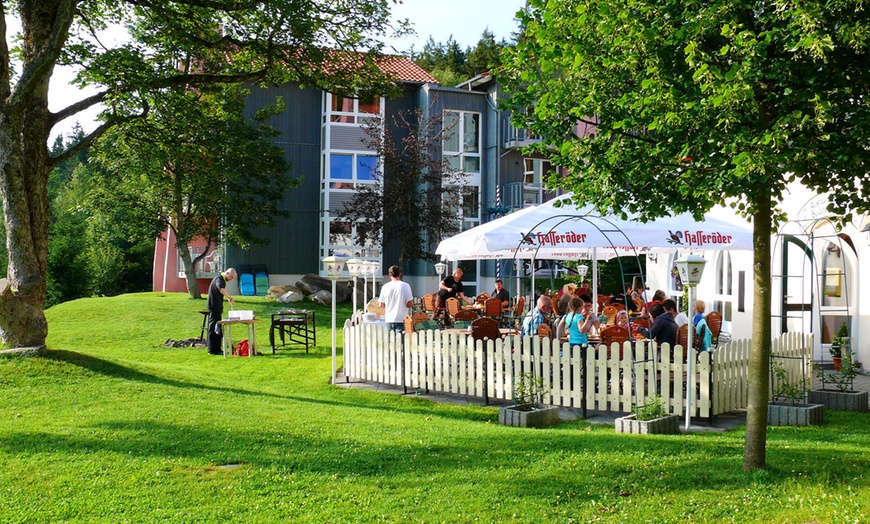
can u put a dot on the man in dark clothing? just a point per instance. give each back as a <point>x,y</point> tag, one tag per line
<point>625,299</point>
<point>502,294</point>
<point>450,287</point>
<point>217,290</point>
<point>664,329</point>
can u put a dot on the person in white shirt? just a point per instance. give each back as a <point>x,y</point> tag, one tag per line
<point>679,317</point>
<point>396,299</point>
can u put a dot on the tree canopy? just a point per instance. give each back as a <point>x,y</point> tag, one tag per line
<point>175,45</point>
<point>416,196</point>
<point>452,65</point>
<point>661,107</point>
<point>196,166</point>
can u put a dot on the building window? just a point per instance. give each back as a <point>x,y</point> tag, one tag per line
<point>461,145</point>
<point>341,236</point>
<point>347,110</point>
<point>535,174</point>
<point>723,298</point>
<point>348,169</point>
<point>208,267</point>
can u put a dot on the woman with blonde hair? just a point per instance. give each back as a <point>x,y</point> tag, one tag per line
<point>698,307</point>
<point>568,291</point>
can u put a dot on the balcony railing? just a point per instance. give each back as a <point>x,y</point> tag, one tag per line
<point>517,137</point>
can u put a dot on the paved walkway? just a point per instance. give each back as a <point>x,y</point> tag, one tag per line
<point>724,422</point>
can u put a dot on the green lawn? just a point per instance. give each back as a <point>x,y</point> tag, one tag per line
<point>112,427</point>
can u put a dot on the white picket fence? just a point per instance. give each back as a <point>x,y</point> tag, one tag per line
<point>438,361</point>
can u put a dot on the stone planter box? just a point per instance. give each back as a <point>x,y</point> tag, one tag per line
<point>840,400</point>
<point>668,425</point>
<point>799,415</point>
<point>535,418</point>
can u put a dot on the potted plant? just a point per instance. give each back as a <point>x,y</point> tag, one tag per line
<point>839,342</point>
<point>841,397</point>
<point>789,406</point>
<point>528,409</point>
<point>649,418</point>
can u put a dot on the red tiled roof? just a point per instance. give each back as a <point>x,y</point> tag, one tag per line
<point>405,69</point>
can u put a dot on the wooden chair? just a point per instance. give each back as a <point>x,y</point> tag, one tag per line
<point>619,306</point>
<point>435,313</point>
<point>544,331</point>
<point>612,334</point>
<point>409,324</point>
<point>603,300</point>
<point>513,317</point>
<point>683,338</point>
<point>714,322</point>
<point>639,303</point>
<point>493,309</point>
<point>418,317</point>
<point>453,306</point>
<point>466,315</point>
<point>485,328</point>
<point>481,298</point>
<point>610,313</point>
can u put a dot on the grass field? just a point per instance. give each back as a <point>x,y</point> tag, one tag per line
<point>112,427</point>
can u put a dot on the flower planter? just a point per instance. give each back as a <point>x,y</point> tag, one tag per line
<point>528,418</point>
<point>795,415</point>
<point>838,363</point>
<point>667,425</point>
<point>840,400</point>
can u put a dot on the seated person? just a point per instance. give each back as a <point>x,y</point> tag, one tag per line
<point>703,330</point>
<point>622,321</point>
<point>698,307</point>
<point>664,329</point>
<point>679,317</point>
<point>658,297</point>
<point>537,316</point>
<point>502,294</point>
<point>568,291</point>
<point>579,320</point>
<point>625,299</point>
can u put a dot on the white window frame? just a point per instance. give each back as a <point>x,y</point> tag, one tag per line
<point>461,152</point>
<point>356,116</point>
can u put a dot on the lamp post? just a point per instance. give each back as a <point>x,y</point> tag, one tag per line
<point>375,268</point>
<point>333,267</point>
<point>354,267</point>
<point>364,270</point>
<point>440,268</point>
<point>691,268</point>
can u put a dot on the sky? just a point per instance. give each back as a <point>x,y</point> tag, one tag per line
<point>464,20</point>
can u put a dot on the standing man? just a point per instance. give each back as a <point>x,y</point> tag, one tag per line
<point>450,287</point>
<point>396,297</point>
<point>502,294</point>
<point>217,290</point>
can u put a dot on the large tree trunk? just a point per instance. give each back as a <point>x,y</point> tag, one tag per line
<point>189,270</point>
<point>754,451</point>
<point>25,124</point>
<point>24,168</point>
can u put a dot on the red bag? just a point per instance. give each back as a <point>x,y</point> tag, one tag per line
<point>241,349</point>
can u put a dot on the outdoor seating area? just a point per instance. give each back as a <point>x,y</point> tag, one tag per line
<point>481,360</point>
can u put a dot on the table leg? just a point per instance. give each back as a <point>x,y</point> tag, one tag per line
<point>227,339</point>
<point>252,336</point>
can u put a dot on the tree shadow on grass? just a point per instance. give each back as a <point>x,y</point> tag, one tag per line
<point>113,369</point>
<point>583,466</point>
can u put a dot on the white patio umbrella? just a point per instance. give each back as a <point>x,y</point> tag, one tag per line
<point>559,230</point>
<point>559,225</point>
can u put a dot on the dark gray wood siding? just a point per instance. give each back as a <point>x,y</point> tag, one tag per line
<point>293,244</point>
